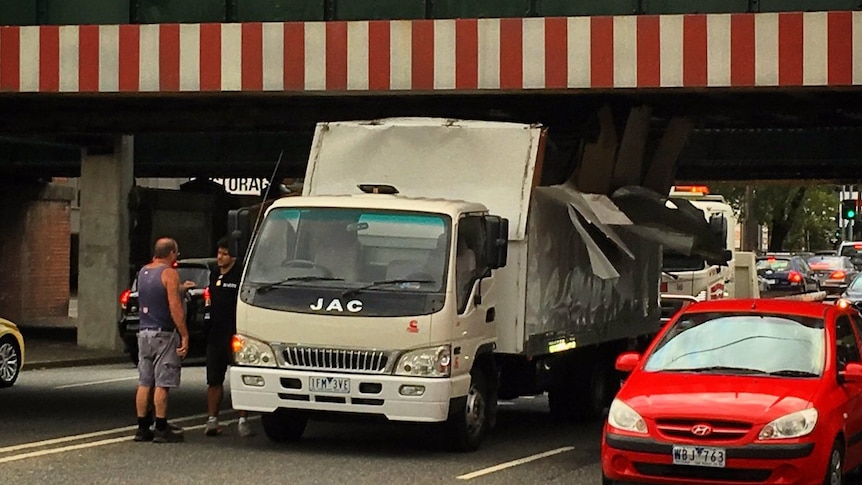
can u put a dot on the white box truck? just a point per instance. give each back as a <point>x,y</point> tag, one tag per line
<point>425,273</point>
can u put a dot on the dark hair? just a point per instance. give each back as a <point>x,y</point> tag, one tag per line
<point>224,243</point>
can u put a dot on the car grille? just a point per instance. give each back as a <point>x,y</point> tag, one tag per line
<point>703,473</point>
<point>720,430</point>
<point>343,360</point>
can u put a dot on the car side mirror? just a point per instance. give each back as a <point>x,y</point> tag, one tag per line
<point>852,373</point>
<point>627,361</point>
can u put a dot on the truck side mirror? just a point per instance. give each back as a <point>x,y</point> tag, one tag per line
<point>239,231</point>
<point>718,226</point>
<point>496,241</point>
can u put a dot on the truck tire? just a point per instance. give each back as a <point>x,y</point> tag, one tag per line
<point>584,395</point>
<point>467,426</point>
<point>283,426</point>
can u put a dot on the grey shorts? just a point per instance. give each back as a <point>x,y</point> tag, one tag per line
<point>158,362</point>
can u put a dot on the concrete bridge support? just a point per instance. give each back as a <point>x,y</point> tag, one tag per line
<point>106,180</point>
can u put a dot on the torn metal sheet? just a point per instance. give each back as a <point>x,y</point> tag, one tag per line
<point>582,288</point>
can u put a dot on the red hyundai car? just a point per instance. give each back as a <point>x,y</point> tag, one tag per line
<point>743,392</point>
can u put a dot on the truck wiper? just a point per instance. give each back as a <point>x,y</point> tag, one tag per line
<point>269,286</point>
<point>354,291</point>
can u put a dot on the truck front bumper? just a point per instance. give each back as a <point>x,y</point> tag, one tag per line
<point>264,390</point>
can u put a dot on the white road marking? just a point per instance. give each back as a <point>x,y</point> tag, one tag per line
<point>94,383</point>
<point>110,441</point>
<point>513,463</point>
<point>65,439</point>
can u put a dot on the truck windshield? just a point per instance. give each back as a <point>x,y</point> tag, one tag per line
<point>672,261</point>
<point>351,248</point>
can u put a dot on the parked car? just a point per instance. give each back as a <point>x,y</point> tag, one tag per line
<point>753,391</point>
<point>834,273</point>
<point>787,274</point>
<point>853,250</point>
<point>197,270</point>
<point>11,353</point>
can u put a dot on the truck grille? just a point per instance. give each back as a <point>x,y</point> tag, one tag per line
<point>342,360</point>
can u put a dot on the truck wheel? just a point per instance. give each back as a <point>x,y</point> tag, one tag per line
<point>466,427</point>
<point>10,361</point>
<point>283,426</point>
<point>581,397</point>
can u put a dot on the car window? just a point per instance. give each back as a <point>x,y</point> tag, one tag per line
<point>856,284</point>
<point>803,265</point>
<point>773,264</point>
<point>201,276</point>
<point>741,343</point>
<point>827,262</point>
<point>847,348</point>
<point>848,250</point>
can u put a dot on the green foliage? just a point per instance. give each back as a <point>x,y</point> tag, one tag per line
<point>799,217</point>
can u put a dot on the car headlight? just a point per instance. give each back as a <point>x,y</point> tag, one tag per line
<point>429,362</point>
<point>249,351</point>
<point>792,425</point>
<point>622,416</point>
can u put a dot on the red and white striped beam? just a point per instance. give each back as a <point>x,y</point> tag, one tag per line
<point>519,54</point>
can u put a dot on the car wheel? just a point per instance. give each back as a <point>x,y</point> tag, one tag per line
<point>10,361</point>
<point>835,467</point>
<point>283,426</point>
<point>467,426</point>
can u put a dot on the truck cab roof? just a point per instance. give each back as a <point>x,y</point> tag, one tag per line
<point>384,202</point>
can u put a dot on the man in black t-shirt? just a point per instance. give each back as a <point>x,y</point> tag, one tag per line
<point>221,314</point>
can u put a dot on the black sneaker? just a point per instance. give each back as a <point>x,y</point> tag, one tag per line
<point>143,434</point>
<point>167,436</point>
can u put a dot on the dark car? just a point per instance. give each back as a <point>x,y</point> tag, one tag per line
<point>197,270</point>
<point>787,274</point>
<point>834,272</point>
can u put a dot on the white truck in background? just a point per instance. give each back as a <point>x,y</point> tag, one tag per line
<point>691,275</point>
<point>426,272</point>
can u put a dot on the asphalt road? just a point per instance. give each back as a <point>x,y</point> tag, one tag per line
<point>75,425</point>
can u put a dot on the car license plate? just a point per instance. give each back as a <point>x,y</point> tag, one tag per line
<point>329,384</point>
<point>770,282</point>
<point>699,456</point>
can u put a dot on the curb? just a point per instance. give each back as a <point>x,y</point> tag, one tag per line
<point>57,364</point>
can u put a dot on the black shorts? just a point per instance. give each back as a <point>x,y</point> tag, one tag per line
<point>219,355</point>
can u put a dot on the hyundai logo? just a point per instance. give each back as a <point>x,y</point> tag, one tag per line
<point>701,430</point>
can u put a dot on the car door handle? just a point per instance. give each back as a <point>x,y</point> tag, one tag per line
<point>490,315</point>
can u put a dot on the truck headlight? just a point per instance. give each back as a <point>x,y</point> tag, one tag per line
<point>429,362</point>
<point>792,425</point>
<point>252,352</point>
<point>622,416</point>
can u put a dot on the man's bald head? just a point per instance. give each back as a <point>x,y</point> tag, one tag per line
<point>164,247</point>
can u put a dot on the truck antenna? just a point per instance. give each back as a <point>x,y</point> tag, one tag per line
<point>266,192</point>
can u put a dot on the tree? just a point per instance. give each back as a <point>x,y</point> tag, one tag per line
<point>799,217</point>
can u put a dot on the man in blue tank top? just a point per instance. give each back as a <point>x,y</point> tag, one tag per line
<point>163,340</point>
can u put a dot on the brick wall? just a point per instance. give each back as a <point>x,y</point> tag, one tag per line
<point>35,240</point>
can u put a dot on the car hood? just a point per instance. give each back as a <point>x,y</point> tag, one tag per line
<point>680,395</point>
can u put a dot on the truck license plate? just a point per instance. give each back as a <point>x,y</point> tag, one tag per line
<point>329,384</point>
<point>699,456</point>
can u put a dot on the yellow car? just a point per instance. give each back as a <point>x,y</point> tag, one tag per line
<point>11,352</point>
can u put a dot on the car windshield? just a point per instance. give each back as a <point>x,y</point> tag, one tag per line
<point>850,250</point>
<point>826,262</point>
<point>351,248</point>
<point>741,343</point>
<point>773,264</point>
<point>856,285</point>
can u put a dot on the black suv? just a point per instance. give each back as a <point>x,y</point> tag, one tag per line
<point>197,270</point>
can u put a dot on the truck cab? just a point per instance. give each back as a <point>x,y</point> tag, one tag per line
<point>385,300</point>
